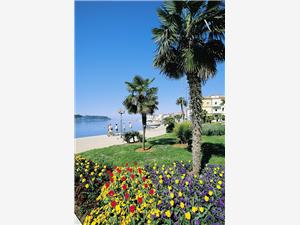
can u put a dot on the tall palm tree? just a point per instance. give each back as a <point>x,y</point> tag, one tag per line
<point>190,42</point>
<point>142,99</point>
<point>182,102</point>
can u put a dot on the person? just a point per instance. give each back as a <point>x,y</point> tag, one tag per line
<point>130,125</point>
<point>116,128</point>
<point>109,130</point>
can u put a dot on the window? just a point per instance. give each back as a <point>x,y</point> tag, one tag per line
<point>216,110</point>
<point>215,103</point>
<point>222,109</point>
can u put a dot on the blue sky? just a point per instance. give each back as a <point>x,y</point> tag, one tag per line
<point>113,42</point>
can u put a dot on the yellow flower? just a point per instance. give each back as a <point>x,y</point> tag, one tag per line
<point>210,193</point>
<point>194,209</point>
<point>154,167</point>
<point>180,194</point>
<point>93,178</point>
<point>218,186</point>
<point>170,188</point>
<point>168,213</point>
<point>188,215</point>
<point>83,180</point>
<point>177,181</point>
<point>80,175</point>
<point>221,174</point>
<point>104,166</point>
<point>200,181</point>
<point>206,198</point>
<point>171,195</point>
<point>201,209</point>
<point>186,183</point>
<point>181,205</point>
<point>92,173</point>
<point>87,185</point>
<point>160,176</point>
<point>220,182</point>
<point>118,209</point>
<point>160,181</point>
<point>171,202</point>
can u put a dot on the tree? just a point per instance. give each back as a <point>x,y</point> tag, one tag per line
<point>182,102</point>
<point>204,116</point>
<point>142,99</point>
<point>169,122</point>
<point>190,42</point>
<point>178,117</point>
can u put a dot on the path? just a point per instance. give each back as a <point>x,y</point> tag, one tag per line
<point>102,141</point>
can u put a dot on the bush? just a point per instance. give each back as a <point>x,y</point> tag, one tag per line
<point>213,129</point>
<point>183,131</point>
<point>169,122</point>
<point>132,137</point>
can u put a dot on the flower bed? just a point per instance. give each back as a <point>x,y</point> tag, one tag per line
<point>89,178</point>
<point>158,194</point>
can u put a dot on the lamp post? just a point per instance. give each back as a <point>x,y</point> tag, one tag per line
<point>121,111</point>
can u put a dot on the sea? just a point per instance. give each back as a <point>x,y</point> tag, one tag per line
<point>94,127</point>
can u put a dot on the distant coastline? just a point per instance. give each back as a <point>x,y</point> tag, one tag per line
<point>89,117</point>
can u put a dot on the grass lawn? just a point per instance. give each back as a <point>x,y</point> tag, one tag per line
<point>161,151</point>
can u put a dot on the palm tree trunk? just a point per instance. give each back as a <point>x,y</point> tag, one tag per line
<point>182,112</point>
<point>196,108</point>
<point>144,122</point>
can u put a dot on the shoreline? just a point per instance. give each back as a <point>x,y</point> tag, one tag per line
<point>83,144</point>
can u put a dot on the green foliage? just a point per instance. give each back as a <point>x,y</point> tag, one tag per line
<point>183,131</point>
<point>169,122</point>
<point>213,129</point>
<point>178,117</point>
<point>133,137</point>
<point>142,98</point>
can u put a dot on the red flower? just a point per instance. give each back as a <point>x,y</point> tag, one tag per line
<point>146,185</point>
<point>111,180</point>
<point>140,201</point>
<point>126,164</point>
<point>139,170</point>
<point>151,192</point>
<point>108,171</point>
<point>113,204</point>
<point>126,195</point>
<point>124,187</point>
<point>123,178</point>
<point>111,193</point>
<point>118,170</point>
<point>132,208</point>
<point>132,176</point>
<point>115,167</point>
<point>144,179</point>
<point>107,185</point>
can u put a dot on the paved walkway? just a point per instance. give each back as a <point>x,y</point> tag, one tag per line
<point>102,141</point>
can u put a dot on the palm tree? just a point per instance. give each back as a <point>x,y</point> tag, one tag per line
<point>142,99</point>
<point>190,42</point>
<point>182,102</point>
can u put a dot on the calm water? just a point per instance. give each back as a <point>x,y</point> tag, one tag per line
<point>86,128</point>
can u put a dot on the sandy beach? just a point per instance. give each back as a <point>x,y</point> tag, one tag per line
<point>101,141</point>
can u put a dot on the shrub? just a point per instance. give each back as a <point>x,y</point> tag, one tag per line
<point>213,129</point>
<point>169,122</point>
<point>132,137</point>
<point>183,131</point>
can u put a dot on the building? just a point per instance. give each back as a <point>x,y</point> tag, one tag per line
<point>214,105</point>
